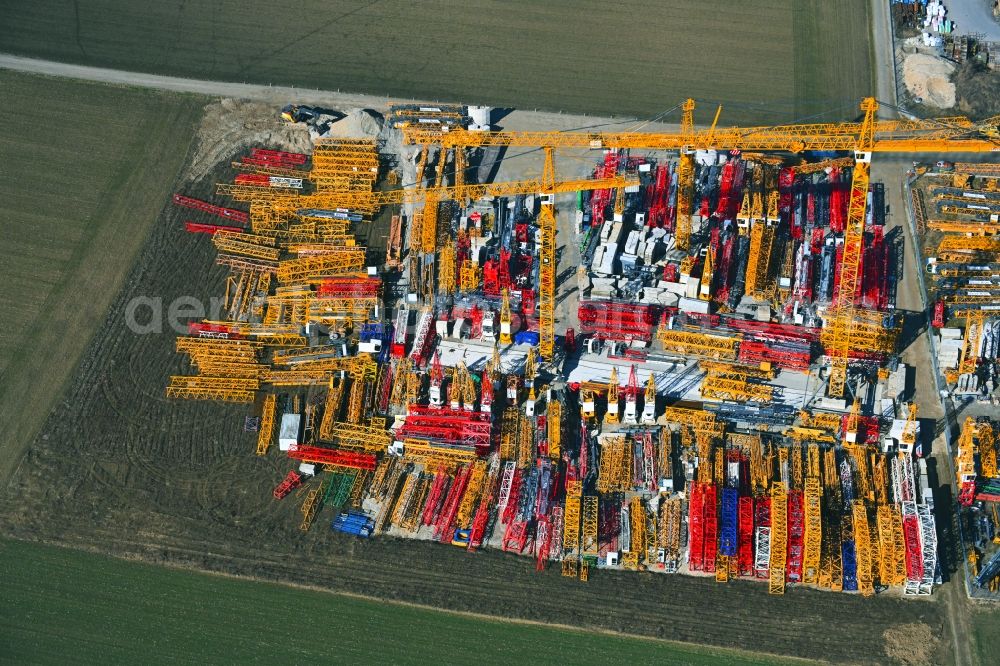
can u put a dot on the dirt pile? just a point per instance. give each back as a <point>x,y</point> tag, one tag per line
<point>229,126</point>
<point>911,644</point>
<point>928,78</point>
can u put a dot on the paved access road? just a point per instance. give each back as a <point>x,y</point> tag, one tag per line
<point>885,64</point>
<point>211,88</point>
<point>972,16</point>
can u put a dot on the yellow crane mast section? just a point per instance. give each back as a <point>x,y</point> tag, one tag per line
<point>418,451</point>
<point>265,432</point>
<point>374,200</point>
<point>862,542</point>
<point>571,524</point>
<point>553,425</point>
<point>813,537</point>
<point>722,388</point>
<point>779,531</point>
<point>703,345</point>
<point>547,259</point>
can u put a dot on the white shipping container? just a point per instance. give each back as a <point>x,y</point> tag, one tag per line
<point>288,434</point>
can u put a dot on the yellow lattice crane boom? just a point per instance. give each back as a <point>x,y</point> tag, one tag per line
<point>547,259</point>
<point>779,527</point>
<point>841,324</point>
<point>813,525</point>
<point>553,424</point>
<point>954,134</point>
<point>530,367</point>
<point>974,324</point>
<point>685,180</point>
<point>265,431</point>
<point>862,542</point>
<point>411,195</point>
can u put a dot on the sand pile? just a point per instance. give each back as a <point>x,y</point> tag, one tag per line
<point>357,124</point>
<point>929,78</point>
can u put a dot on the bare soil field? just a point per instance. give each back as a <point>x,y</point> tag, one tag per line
<point>86,167</point>
<point>766,61</point>
<point>121,470</point>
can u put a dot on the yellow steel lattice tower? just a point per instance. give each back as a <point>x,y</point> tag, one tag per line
<point>311,505</point>
<point>685,180</point>
<point>331,409</point>
<point>886,545</point>
<point>446,269</point>
<point>779,536</point>
<point>411,517</point>
<point>813,537</point>
<point>405,497</point>
<point>674,517</point>
<point>355,399</point>
<point>530,367</point>
<point>266,430</point>
<point>428,225</point>
<point>862,542</point>
<point>714,387</point>
<point>773,200</point>
<point>753,282</point>
<point>509,426</point>
<point>547,258</point>
<point>812,461</point>
<point>398,396</point>
<point>473,491</point>
<point>469,275</point>
<point>373,438</point>
<point>649,397</point>
<point>974,322</point>
<point>840,342</point>
<point>701,345</point>
<point>898,136</point>
<point>554,426</point>
<point>760,475</point>
<point>880,478</point>
<point>460,166</point>
<point>571,519</point>
<point>744,214</point>
<point>412,385</point>
<point>615,470</point>
<point>987,450</point>
<point>525,440</point>
<point>637,533</point>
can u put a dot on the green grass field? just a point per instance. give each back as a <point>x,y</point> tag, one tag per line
<point>986,631</point>
<point>58,603</point>
<point>87,169</point>
<point>765,60</point>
